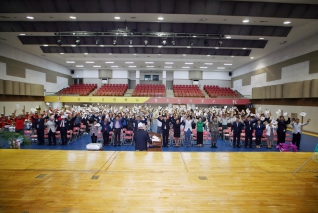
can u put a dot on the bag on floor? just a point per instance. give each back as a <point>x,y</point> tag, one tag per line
<point>94,146</point>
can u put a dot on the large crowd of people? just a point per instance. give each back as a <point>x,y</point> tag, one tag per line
<point>182,124</point>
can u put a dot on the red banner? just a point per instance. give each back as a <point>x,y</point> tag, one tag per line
<point>209,101</point>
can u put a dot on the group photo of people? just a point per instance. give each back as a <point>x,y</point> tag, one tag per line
<point>178,125</point>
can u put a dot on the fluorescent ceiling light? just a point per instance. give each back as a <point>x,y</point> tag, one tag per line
<point>261,38</point>
<point>85,53</point>
<point>287,22</point>
<point>194,36</point>
<point>160,18</point>
<point>117,17</point>
<point>73,45</point>
<point>221,68</point>
<point>246,21</point>
<point>45,45</point>
<point>159,46</point>
<point>109,62</point>
<point>132,66</point>
<point>72,17</point>
<point>232,56</point>
<point>244,48</point>
<point>79,66</point>
<point>96,66</point>
<point>129,62</point>
<point>203,67</point>
<point>216,48</point>
<point>70,62</point>
<point>168,62</point>
<point>228,64</point>
<point>208,63</point>
<point>22,34</point>
<point>168,66</point>
<point>149,62</point>
<point>251,57</point>
<point>188,47</point>
<point>228,37</point>
<point>30,17</point>
<point>188,63</point>
<point>89,62</point>
<point>61,53</point>
<point>184,54</point>
<point>208,55</point>
<point>185,67</point>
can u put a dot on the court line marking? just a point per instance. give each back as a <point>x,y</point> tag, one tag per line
<point>105,163</point>
<point>185,166</point>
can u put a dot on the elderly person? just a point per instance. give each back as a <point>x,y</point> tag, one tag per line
<point>141,138</point>
<point>93,132</point>
<point>51,126</point>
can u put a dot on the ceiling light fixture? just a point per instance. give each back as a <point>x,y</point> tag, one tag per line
<point>188,63</point>
<point>79,66</point>
<point>287,22</point>
<point>185,67</point>
<point>168,62</point>
<point>89,62</point>
<point>146,42</point>
<point>160,18</point>
<point>117,17</point>
<point>148,62</point>
<point>72,17</point>
<point>62,53</point>
<point>168,66</point>
<point>115,42</point>
<point>22,34</point>
<point>220,43</point>
<point>30,17</point>
<point>246,21</point>
<point>97,41</point>
<point>159,46</point>
<point>251,57</point>
<point>208,55</point>
<point>70,62</point>
<point>228,64</point>
<point>208,63</point>
<point>244,48</point>
<point>59,41</point>
<point>191,43</point>
<point>131,42</point>
<point>129,62</point>
<point>228,37</point>
<point>221,68</point>
<point>203,67</point>
<point>85,53</point>
<point>45,45</point>
<point>132,66</point>
<point>114,66</point>
<point>173,42</point>
<point>77,41</point>
<point>232,56</point>
<point>261,38</point>
<point>109,62</point>
<point>164,42</point>
<point>150,66</point>
<point>96,66</point>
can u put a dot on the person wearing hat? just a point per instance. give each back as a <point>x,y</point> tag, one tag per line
<point>141,137</point>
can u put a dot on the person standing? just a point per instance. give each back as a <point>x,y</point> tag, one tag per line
<point>249,131</point>
<point>39,122</point>
<point>187,130</point>
<point>165,129</point>
<point>118,125</point>
<point>200,127</point>
<point>62,127</point>
<point>105,130</point>
<point>176,130</point>
<point>141,138</point>
<point>94,131</point>
<point>159,125</point>
<point>51,126</point>
<point>297,131</point>
<point>259,127</point>
<point>19,122</point>
<point>215,133</point>
<point>281,129</point>
<point>237,129</point>
<point>269,134</point>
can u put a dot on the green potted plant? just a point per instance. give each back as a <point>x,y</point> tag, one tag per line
<point>13,139</point>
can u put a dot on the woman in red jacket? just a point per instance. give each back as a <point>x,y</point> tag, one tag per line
<point>19,122</point>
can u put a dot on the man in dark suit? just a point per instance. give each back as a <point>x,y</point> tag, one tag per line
<point>117,126</point>
<point>237,129</point>
<point>39,123</point>
<point>105,124</point>
<point>281,129</point>
<point>62,127</point>
<point>249,131</point>
<point>165,129</point>
<point>141,138</point>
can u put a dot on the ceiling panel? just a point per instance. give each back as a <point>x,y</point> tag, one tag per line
<point>206,7</point>
<point>146,50</point>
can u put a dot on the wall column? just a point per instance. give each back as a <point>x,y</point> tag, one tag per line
<point>164,78</point>
<point>137,77</point>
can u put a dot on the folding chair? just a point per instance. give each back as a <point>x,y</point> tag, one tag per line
<point>128,136</point>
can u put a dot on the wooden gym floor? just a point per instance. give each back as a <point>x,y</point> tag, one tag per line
<point>84,181</point>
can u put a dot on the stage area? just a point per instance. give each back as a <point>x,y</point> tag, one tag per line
<point>114,181</point>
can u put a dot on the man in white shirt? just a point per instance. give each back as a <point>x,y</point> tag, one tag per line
<point>297,131</point>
